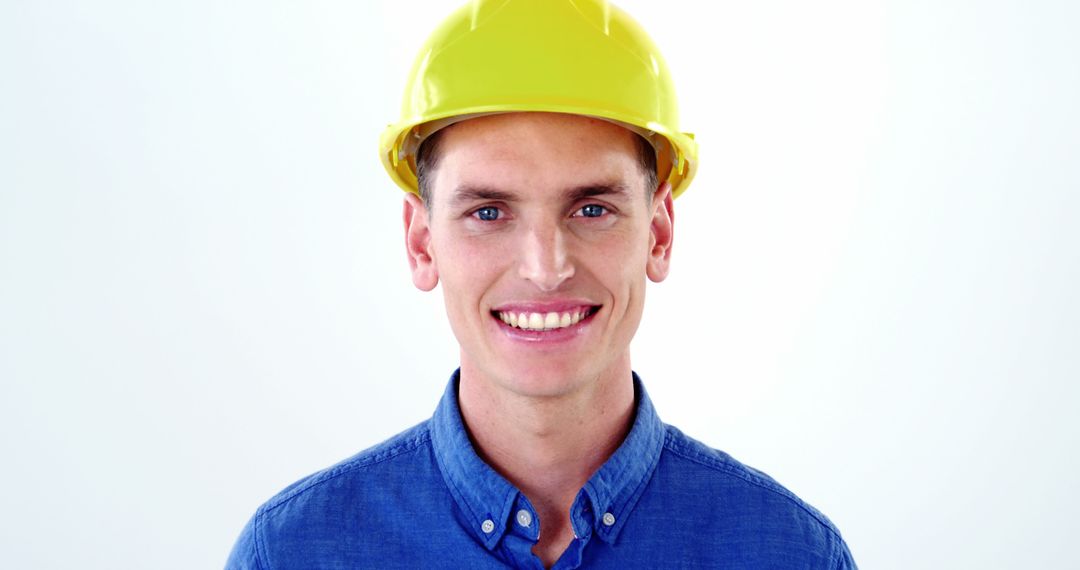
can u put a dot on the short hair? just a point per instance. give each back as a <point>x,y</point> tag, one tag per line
<point>427,160</point>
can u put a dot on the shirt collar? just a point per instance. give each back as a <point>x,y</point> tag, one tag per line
<point>486,498</point>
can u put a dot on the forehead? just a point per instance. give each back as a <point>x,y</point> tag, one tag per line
<point>535,152</point>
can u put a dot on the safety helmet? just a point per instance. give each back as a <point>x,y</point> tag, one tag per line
<point>585,57</point>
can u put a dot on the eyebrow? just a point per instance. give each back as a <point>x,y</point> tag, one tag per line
<point>592,190</point>
<point>466,194</point>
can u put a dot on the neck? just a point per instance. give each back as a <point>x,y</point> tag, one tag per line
<point>548,446</point>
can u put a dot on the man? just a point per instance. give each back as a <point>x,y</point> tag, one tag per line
<point>540,149</point>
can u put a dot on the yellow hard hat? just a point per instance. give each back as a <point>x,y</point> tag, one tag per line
<point>585,57</point>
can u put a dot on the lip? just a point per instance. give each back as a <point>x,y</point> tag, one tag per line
<point>553,306</point>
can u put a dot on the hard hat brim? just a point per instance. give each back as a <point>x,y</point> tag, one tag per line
<point>399,142</point>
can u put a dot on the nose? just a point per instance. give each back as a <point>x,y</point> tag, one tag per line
<point>545,260</point>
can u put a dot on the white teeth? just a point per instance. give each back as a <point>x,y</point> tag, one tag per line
<point>541,321</point>
<point>551,320</point>
<point>536,321</point>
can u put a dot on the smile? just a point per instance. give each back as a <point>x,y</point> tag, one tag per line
<point>552,320</point>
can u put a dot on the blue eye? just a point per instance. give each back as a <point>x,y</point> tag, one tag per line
<point>592,211</point>
<point>487,214</point>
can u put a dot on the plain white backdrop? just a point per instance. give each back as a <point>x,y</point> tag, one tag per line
<point>204,294</point>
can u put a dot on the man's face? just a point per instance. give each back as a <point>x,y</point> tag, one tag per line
<point>542,232</point>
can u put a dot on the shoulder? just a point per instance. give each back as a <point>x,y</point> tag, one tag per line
<point>363,466</point>
<point>752,503</point>
<point>349,498</point>
<point>732,472</point>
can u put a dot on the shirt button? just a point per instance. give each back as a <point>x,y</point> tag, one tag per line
<point>524,518</point>
<point>609,519</point>
<point>487,526</point>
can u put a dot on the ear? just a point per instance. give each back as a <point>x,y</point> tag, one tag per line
<point>662,233</point>
<point>418,243</point>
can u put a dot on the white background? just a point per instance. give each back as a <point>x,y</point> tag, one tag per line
<point>204,295</point>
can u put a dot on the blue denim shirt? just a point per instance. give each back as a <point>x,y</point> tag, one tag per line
<point>424,499</point>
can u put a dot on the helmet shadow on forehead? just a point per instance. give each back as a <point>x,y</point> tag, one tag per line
<point>429,153</point>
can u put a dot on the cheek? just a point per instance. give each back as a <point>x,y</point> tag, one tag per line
<point>618,265</point>
<point>624,251</point>
<point>468,266</point>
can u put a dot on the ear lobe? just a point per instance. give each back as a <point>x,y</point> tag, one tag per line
<point>425,275</point>
<point>662,234</point>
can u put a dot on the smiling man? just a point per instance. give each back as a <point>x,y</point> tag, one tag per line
<point>541,176</point>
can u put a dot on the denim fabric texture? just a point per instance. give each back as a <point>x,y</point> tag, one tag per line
<point>425,499</point>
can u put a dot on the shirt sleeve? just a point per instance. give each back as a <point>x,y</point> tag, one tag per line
<point>244,555</point>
